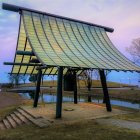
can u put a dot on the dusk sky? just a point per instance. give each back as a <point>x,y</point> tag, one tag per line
<point>122,15</point>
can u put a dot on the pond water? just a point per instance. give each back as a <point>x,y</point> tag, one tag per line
<point>52,98</point>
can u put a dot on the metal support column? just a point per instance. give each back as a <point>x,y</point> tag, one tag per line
<point>75,88</point>
<point>104,100</point>
<point>105,90</point>
<point>89,97</point>
<point>59,93</point>
<point>37,88</point>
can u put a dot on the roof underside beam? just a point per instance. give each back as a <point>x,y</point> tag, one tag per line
<point>30,74</point>
<point>25,53</point>
<point>15,8</point>
<point>21,64</point>
<point>70,68</point>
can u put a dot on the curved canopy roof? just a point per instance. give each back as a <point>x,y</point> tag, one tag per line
<point>57,41</point>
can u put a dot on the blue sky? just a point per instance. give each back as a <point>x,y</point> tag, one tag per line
<point>122,15</point>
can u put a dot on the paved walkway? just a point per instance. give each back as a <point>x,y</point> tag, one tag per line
<point>120,123</point>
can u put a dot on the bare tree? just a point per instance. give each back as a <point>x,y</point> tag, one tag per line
<point>97,76</point>
<point>78,81</point>
<point>87,77</point>
<point>24,78</point>
<point>107,72</point>
<point>14,79</point>
<point>134,50</point>
<point>11,79</point>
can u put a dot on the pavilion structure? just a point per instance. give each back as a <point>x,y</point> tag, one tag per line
<point>53,45</point>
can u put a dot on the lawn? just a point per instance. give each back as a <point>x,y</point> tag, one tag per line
<point>85,130</point>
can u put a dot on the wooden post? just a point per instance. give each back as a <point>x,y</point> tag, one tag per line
<point>105,90</point>
<point>59,93</point>
<point>75,88</point>
<point>37,88</point>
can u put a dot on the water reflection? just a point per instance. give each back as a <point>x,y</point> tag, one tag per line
<point>52,98</point>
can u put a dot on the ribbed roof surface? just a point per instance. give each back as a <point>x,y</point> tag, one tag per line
<point>61,42</point>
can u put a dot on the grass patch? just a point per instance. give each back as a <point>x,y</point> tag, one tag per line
<point>84,130</point>
<point>128,95</point>
<point>135,117</point>
<point>95,83</point>
<point>7,110</point>
<point>134,114</point>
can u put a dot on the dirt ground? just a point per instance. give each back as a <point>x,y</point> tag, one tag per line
<point>9,99</point>
<point>72,112</point>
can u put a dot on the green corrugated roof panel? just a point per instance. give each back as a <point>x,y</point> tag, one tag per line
<point>61,42</point>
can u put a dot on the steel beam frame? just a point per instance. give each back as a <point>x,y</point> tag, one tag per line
<point>18,52</point>
<point>37,88</point>
<point>105,90</point>
<point>21,64</point>
<point>15,8</point>
<point>59,93</point>
<point>75,88</point>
